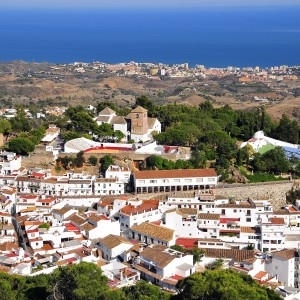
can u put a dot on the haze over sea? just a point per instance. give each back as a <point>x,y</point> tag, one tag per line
<point>214,37</point>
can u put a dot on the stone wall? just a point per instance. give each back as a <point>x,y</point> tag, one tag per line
<point>275,192</point>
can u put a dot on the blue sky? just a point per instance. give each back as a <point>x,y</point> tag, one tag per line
<point>140,3</point>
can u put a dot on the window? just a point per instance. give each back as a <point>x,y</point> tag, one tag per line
<point>199,179</point>
<point>211,179</point>
<point>248,219</point>
<point>153,181</point>
<point>187,180</point>
<point>165,181</point>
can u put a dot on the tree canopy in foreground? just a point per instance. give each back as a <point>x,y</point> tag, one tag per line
<point>86,282</point>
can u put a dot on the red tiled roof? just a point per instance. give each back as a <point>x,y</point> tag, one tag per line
<point>187,243</point>
<point>279,221</point>
<point>145,206</point>
<point>181,173</point>
<point>225,220</point>
<point>260,275</point>
<point>71,227</point>
<point>36,174</point>
<point>28,196</point>
<point>176,277</point>
<point>235,254</point>
<point>286,253</point>
<point>156,222</point>
<point>32,230</point>
<point>11,254</point>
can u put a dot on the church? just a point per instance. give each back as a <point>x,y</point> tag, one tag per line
<point>135,126</point>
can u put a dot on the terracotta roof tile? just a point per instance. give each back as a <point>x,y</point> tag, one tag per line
<point>235,254</point>
<point>96,218</point>
<point>247,229</point>
<point>260,275</point>
<point>181,173</point>
<point>78,220</point>
<point>156,231</point>
<point>61,211</point>
<point>209,216</point>
<point>139,109</point>
<point>158,257</point>
<point>277,221</point>
<point>146,205</point>
<point>106,111</point>
<point>112,241</point>
<point>286,253</point>
<point>187,211</point>
<point>88,226</point>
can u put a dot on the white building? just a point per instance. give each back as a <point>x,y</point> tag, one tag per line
<point>259,140</point>
<point>272,234</point>
<point>108,186</point>
<point>10,163</point>
<point>164,266</point>
<point>51,134</point>
<point>153,181</point>
<point>152,234</point>
<point>284,264</point>
<point>114,246</point>
<point>120,173</point>
<point>136,125</point>
<point>111,205</point>
<point>137,212</point>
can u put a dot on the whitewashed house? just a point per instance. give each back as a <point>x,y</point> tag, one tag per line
<point>114,247</point>
<point>153,181</point>
<point>120,173</point>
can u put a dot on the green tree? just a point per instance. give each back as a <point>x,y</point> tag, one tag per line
<point>287,130</point>
<point>216,264</point>
<point>20,122</point>
<point>79,160</point>
<point>105,162</point>
<point>145,291</point>
<point>197,255</point>
<point>119,135</point>
<point>101,105</point>
<point>145,102</point>
<point>81,281</point>
<point>93,160</point>
<point>104,130</point>
<point>198,159</point>
<point>65,161</point>
<point>223,285</point>
<point>5,126</point>
<point>20,145</point>
<point>7,292</point>
<point>70,135</point>
<point>273,161</point>
<point>178,248</point>
<point>206,106</point>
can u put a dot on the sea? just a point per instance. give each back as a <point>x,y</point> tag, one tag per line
<point>210,36</point>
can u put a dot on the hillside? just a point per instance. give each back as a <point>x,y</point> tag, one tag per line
<point>46,84</point>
